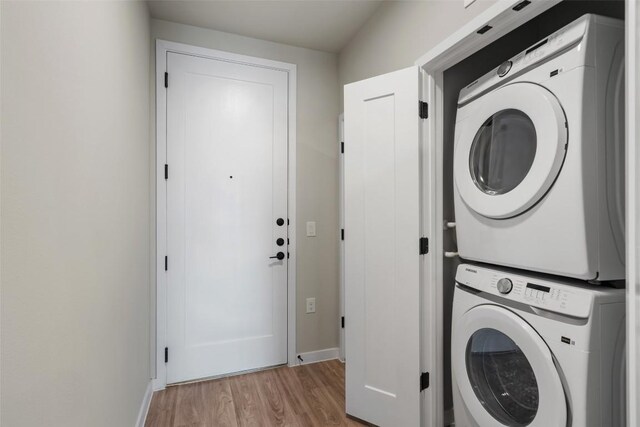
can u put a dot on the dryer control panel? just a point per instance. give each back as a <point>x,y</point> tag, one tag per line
<point>543,293</point>
<point>559,41</point>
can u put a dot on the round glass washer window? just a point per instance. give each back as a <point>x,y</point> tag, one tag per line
<point>502,378</point>
<point>502,151</point>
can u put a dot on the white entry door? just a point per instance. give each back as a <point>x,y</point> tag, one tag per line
<point>382,260</point>
<point>226,217</point>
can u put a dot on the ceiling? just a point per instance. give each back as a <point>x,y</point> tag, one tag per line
<point>323,25</point>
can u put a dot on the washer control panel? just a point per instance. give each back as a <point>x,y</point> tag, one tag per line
<point>536,292</point>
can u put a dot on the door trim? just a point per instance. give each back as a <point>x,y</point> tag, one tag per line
<point>163,47</point>
<point>632,55</point>
<point>342,354</point>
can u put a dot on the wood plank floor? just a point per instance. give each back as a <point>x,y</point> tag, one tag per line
<point>308,395</point>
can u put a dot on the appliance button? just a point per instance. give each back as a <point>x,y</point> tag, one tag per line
<point>504,286</point>
<point>504,68</point>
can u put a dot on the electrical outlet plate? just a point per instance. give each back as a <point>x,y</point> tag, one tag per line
<point>311,305</point>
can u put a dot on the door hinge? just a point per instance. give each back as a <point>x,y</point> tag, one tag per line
<point>166,171</point>
<point>166,355</point>
<point>424,381</point>
<point>166,263</point>
<point>423,110</point>
<point>342,322</point>
<point>342,234</point>
<point>342,147</point>
<point>424,245</point>
<point>166,79</point>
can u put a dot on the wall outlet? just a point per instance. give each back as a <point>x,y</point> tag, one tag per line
<point>311,229</point>
<point>311,305</point>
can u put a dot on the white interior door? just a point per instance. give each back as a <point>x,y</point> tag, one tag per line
<point>226,216</point>
<point>382,230</point>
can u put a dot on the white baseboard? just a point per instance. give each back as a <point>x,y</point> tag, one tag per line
<point>317,356</point>
<point>144,407</point>
<point>158,384</point>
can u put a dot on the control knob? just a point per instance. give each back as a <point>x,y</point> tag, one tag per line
<point>504,285</point>
<point>504,68</point>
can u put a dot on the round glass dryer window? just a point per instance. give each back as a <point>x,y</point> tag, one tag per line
<point>502,377</point>
<point>502,151</point>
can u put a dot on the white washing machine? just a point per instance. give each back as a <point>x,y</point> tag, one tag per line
<point>531,351</point>
<point>539,157</point>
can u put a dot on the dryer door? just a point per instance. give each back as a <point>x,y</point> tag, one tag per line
<point>505,371</point>
<point>509,149</point>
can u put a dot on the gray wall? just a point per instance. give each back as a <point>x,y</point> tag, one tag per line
<point>399,33</point>
<point>74,213</point>
<point>317,169</point>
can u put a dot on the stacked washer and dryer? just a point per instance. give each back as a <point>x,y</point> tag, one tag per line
<point>538,328</point>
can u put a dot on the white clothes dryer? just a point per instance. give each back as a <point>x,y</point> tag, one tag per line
<point>539,157</point>
<point>531,351</point>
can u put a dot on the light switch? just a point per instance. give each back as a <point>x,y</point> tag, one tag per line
<point>311,229</point>
<point>311,305</point>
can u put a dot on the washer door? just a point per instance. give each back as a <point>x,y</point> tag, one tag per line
<point>510,150</point>
<point>505,371</point>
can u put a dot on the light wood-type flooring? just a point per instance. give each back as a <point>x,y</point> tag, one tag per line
<point>308,395</point>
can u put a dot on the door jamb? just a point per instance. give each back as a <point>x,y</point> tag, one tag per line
<point>163,47</point>
<point>632,17</point>
<point>341,331</point>
<point>502,19</point>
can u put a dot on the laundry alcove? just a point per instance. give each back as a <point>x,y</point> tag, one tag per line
<point>498,34</point>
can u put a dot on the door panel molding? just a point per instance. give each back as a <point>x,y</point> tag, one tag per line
<point>159,315</point>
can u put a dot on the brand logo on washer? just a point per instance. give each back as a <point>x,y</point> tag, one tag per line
<point>470,270</point>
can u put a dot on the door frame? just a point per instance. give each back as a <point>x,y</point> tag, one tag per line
<point>164,47</point>
<point>632,109</point>
<point>342,349</point>
<point>461,44</point>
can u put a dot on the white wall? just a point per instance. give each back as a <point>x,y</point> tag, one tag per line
<point>399,33</point>
<point>317,169</point>
<point>74,213</point>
